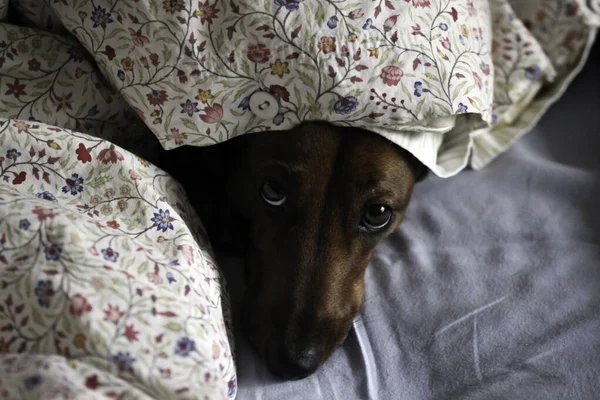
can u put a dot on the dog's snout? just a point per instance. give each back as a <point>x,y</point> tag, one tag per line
<point>293,364</point>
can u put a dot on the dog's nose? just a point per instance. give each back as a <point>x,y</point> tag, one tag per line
<point>289,364</point>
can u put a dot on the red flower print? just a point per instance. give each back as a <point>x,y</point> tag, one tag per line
<point>154,59</point>
<point>258,53</point>
<point>113,314</point>
<point>19,178</point>
<point>280,91</point>
<point>182,77</point>
<point>109,52</point>
<point>470,8</point>
<point>454,13</point>
<point>571,39</point>
<point>391,75</point>
<point>44,213</point>
<point>165,373</point>
<point>110,155</point>
<point>34,64</point>
<point>206,12</point>
<point>326,44</point>
<point>15,89</point>
<point>83,154</point>
<point>79,305</point>
<point>176,136</point>
<point>389,23</point>
<point>446,44</point>
<point>420,3</point>
<point>157,97</point>
<point>485,68</point>
<point>188,253</point>
<point>64,102</point>
<point>477,80</point>
<point>134,175</point>
<point>356,14</point>
<point>137,38</point>
<point>91,382</point>
<point>154,277</point>
<point>113,224</point>
<point>131,334</point>
<point>416,30</point>
<point>212,114</point>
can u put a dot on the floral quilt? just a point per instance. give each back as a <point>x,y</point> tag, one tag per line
<point>453,81</point>
<point>108,287</point>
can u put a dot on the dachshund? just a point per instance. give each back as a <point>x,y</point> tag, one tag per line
<point>305,207</point>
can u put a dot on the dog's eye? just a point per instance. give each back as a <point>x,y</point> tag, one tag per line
<point>376,217</point>
<point>273,193</point>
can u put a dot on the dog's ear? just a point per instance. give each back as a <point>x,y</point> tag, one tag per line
<point>421,171</point>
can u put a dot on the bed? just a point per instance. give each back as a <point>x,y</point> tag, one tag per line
<point>109,286</point>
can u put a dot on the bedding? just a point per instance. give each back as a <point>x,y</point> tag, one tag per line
<point>108,286</point>
<point>108,282</point>
<point>455,82</point>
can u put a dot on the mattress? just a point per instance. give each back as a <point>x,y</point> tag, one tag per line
<point>490,289</point>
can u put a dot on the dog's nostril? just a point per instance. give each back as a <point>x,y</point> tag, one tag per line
<point>289,364</point>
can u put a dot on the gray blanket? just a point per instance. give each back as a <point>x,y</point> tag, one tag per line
<point>491,287</point>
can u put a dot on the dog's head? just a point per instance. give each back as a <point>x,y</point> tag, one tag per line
<point>318,199</point>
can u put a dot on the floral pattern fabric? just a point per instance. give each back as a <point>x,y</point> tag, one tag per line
<point>431,75</point>
<point>108,287</point>
<point>106,277</point>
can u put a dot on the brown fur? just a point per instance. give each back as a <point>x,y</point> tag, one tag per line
<point>307,258</point>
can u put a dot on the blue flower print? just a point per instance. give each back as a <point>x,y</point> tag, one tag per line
<point>52,253</point>
<point>533,72</point>
<point>100,17</point>
<point>74,184</point>
<point>13,154</point>
<point>162,220</point>
<point>462,108</point>
<point>232,385</point>
<point>418,89</point>
<point>24,224</point>
<point>109,254</point>
<point>278,120</point>
<point>462,40</point>
<point>170,277</point>
<point>75,54</point>
<point>345,105</point>
<point>245,103</point>
<point>368,24</point>
<point>290,5</point>
<point>93,111</point>
<point>124,361</point>
<point>185,346</point>
<point>121,75</point>
<point>44,292</point>
<point>189,108</point>
<point>31,382</point>
<point>46,196</point>
<point>444,26</point>
<point>332,22</point>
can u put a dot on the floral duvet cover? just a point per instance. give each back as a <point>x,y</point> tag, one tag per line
<point>108,286</point>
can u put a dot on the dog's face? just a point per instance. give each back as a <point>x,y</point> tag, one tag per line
<point>318,199</point>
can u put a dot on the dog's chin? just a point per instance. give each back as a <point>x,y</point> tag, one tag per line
<point>282,361</point>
